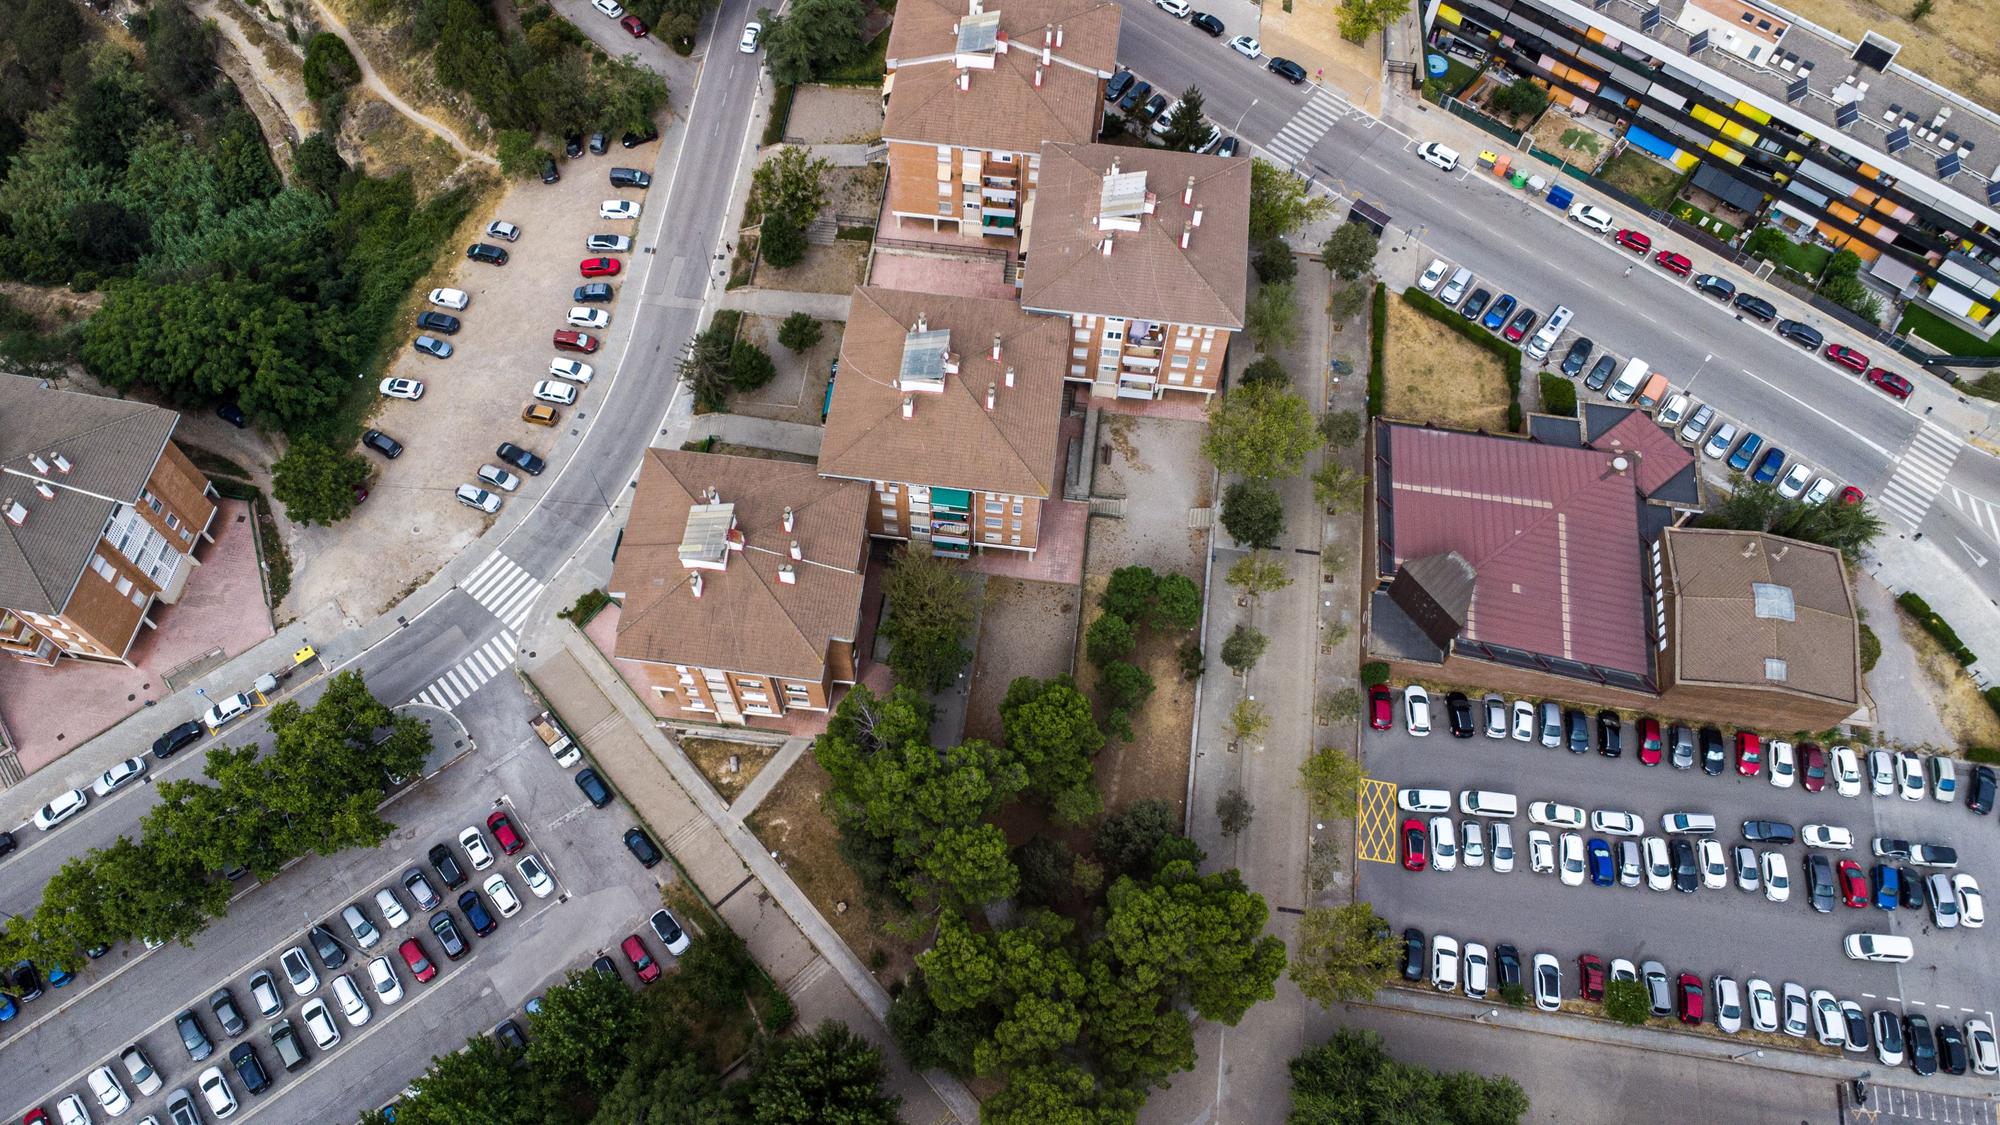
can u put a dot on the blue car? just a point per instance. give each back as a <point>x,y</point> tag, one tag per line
<point>432,346</point>
<point>1887,885</point>
<point>60,977</point>
<point>1498,314</point>
<point>1740,460</point>
<point>8,1009</point>
<point>1767,469</point>
<point>482,923</point>
<point>1603,872</point>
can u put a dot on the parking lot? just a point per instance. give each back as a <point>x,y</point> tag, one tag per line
<point>1729,932</point>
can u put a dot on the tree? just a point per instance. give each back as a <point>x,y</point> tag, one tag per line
<point>580,1034</point>
<point>1130,592</point>
<point>316,483</point>
<point>1848,528</point>
<point>780,241</point>
<point>1060,1093</point>
<point>329,66</point>
<point>1109,638</point>
<point>1127,841</point>
<point>1048,726</point>
<point>1243,648</point>
<point>1331,779</point>
<point>799,331</point>
<point>666,1083</point>
<point>1253,514</point>
<point>831,1075</point>
<point>705,367</point>
<point>1248,719</point>
<point>519,155</point>
<point>1189,130</point>
<point>180,50</point>
<point>1233,812</point>
<point>1281,202</point>
<point>1125,684</point>
<point>1345,953</point>
<point>1256,575</point>
<point>1522,99</point>
<point>791,183</point>
<point>476,1083</point>
<point>1850,293</point>
<point>1340,428</point>
<point>1766,242</point>
<point>1273,261</point>
<point>750,366</point>
<point>1626,1002</point>
<point>928,620</point>
<point>1337,487</point>
<point>1360,19</point>
<point>1350,250</point>
<point>1265,369</point>
<point>1351,1078</point>
<point>1177,605</point>
<point>1260,431</point>
<point>813,39</point>
<point>1921,9</point>
<point>1272,321</point>
<point>317,166</point>
<point>1199,936</point>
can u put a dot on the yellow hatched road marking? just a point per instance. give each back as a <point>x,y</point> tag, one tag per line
<point>1375,822</point>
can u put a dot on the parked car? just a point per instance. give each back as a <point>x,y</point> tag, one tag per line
<point>1633,240</point>
<point>486,252</point>
<point>1286,69</point>
<point>408,389</point>
<point>1889,383</point>
<point>1804,335</point>
<point>520,458</point>
<point>642,847</point>
<point>1674,263</point>
<point>1438,156</point>
<point>1756,306</point>
<point>1578,355</point>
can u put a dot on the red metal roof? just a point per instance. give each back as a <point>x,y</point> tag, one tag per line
<point>1552,532</point>
<point>1659,456</point>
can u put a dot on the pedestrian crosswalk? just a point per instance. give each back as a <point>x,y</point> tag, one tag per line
<point>1983,513</point>
<point>470,674</point>
<point>503,588</point>
<point>1921,469</point>
<point>1307,126</point>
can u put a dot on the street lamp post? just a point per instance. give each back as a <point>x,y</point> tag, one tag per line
<point>1238,127</point>
<point>1699,370</point>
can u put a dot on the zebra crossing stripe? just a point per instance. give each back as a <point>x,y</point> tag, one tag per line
<point>470,674</point>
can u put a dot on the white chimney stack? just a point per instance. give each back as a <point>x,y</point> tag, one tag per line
<point>694,583</point>
<point>16,514</point>
<point>790,520</point>
<point>40,465</point>
<point>1048,36</point>
<point>996,347</point>
<point>787,575</point>
<point>1038,78</point>
<point>964,79</point>
<point>1187,196</point>
<point>1045,54</point>
<point>990,393</point>
<point>796,553</point>
<point>909,407</point>
<point>1059,31</point>
<point>45,491</point>
<point>1197,217</point>
<point>1187,232</point>
<point>62,463</point>
<point>1010,375</point>
<point>923,323</point>
<point>1107,246</point>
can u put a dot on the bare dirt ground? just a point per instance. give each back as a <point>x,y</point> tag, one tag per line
<point>1953,46</point>
<point>856,191</point>
<point>393,69</point>
<point>832,268</point>
<point>835,115</point>
<point>1573,140</point>
<point>1953,696</point>
<point>1310,33</point>
<point>1432,373</point>
<point>387,143</point>
<point>1155,762</point>
<point>711,756</point>
<point>798,391</point>
<point>1025,629</point>
<point>1157,466</point>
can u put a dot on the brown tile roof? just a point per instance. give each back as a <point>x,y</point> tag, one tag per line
<point>1719,636</point>
<point>1003,109</point>
<point>746,619</point>
<point>1657,457</point>
<point>1552,533</point>
<point>1147,275</point>
<point>952,440</point>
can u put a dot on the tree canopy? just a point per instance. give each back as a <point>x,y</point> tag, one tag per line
<point>1189,129</point>
<point>928,620</point>
<point>813,38</point>
<point>1260,431</point>
<point>1345,953</point>
<point>1281,202</point>
<point>1848,528</point>
<point>1253,514</point>
<point>1350,250</point>
<point>316,483</point>
<point>1350,1079</point>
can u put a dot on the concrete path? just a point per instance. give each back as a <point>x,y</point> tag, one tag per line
<point>761,433</point>
<point>768,778</point>
<point>381,89</point>
<point>845,156</point>
<point>780,302</point>
<point>1897,685</point>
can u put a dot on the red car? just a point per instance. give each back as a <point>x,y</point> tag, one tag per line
<point>1847,357</point>
<point>1688,998</point>
<point>1650,743</point>
<point>1633,240</point>
<point>1590,976</point>
<point>599,267</point>
<point>1890,383</point>
<point>1676,264</point>
<point>1812,767</point>
<point>503,833</point>
<point>1749,753</point>
<point>1381,714</point>
<point>569,340</point>
<point>420,965</point>
<point>634,26</point>
<point>1853,888</point>
<point>1851,495</point>
<point>642,961</point>
<point>1416,846</point>
<point>36,1116</point>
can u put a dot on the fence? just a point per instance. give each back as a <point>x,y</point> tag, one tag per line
<point>1461,110</point>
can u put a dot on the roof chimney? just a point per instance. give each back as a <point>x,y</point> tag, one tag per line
<point>694,584</point>
<point>1107,246</point>
<point>1045,54</point>
<point>787,575</point>
<point>1187,232</point>
<point>45,491</point>
<point>1048,35</point>
<point>923,323</point>
<point>791,520</point>
<point>964,79</point>
<point>62,463</point>
<point>1038,78</point>
<point>1187,196</point>
<point>1059,31</point>
<point>991,392</point>
<point>996,347</point>
<point>796,553</point>
<point>1197,217</point>
<point>16,514</point>
<point>1010,375</point>
<point>909,407</point>
<point>40,465</point>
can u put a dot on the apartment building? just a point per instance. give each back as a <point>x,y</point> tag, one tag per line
<point>1837,139</point>
<point>974,88</point>
<point>1146,253</point>
<point>949,409</point>
<point>740,584</point>
<point>100,515</point>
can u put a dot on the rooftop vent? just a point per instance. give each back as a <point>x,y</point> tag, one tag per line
<point>62,463</point>
<point>788,575</point>
<point>791,520</point>
<point>694,585</point>
<point>40,465</point>
<point>705,541</point>
<point>796,552</point>
<point>44,491</point>
<point>16,514</point>
<point>1774,669</point>
<point>1773,602</point>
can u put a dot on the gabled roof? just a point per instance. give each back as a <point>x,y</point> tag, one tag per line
<point>111,446</point>
<point>1002,109</point>
<point>1747,604</point>
<point>1147,275</point>
<point>746,619</point>
<point>1657,458</point>
<point>951,439</point>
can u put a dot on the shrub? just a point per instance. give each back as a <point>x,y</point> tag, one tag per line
<point>799,331</point>
<point>1130,592</point>
<point>780,241</point>
<point>1939,629</point>
<point>1992,697</point>
<point>1176,603</point>
<point>1126,684</point>
<point>329,66</point>
<point>1109,638</point>
<point>1626,1002</point>
<point>588,605</point>
<point>1558,395</point>
<point>1985,755</point>
<point>1191,659</point>
<point>749,366</point>
<point>1243,648</point>
<point>1265,369</point>
<point>1871,649</point>
<point>781,113</point>
<point>1374,672</point>
<point>1273,261</point>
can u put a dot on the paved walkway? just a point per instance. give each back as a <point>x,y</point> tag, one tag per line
<point>782,302</point>
<point>1897,685</point>
<point>760,433</point>
<point>768,778</point>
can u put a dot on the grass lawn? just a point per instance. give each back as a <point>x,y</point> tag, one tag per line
<point>1928,326</point>
<point>1642,176</point>
<point>1689,213</point>
<point>1808,260</point>
<point>1430,372</point>
<point>1457,76</point>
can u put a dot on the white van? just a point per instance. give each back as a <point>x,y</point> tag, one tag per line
<point>1455,288</point>
<point>1687,824</point>
<point>226,711</point>
<point>1879,947</point>
<point>1424,800</point>
<point>1487,802</point>
<point>1628,380</point>
<point>1552,329</point>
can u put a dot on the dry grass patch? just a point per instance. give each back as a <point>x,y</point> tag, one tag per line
<point>1432,374</point>
<point>390,143</point>
<point>711,756</point>
<point>408,72</point>
<point>1953,695</point>
<point>834,268</point>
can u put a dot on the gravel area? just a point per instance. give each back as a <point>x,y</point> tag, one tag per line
<point>827,115</point>
<point>1025,629</point>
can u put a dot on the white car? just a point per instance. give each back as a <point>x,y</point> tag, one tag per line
<point>751,32</point>
<point>608,8</point>
<point>393,914</point>
<point>503,230</point>
<point>1571,851</point>
<point>382,975</point>
<point>1472,844</point>
<point>1979,1046</point>
<point>140,1068</point>
<point>1496,717</point>
<point>1784,764</point>
<point>1592,217</point>
<point>1971,904</point>
<point>454,299</point>
<point>1827,1022</point>
<point>1659,872</point>
<point>299,971</point>
<point>1433,275</point>
<point>1910,775</point>
<point>1743,858</point>
<point>1615,822</point>
<point>498,478</point>
<point>1548,982</point>
<point>1832,837</point>
<point>1541,852</point>
<point>618,209</point>
<point>1503,847</point>
<point>575,370</point>
<point>472,496</point>
<point>65,805</point>
<point>1792,485</point>
<point>410,389</point>
<point>1846,772</point>
<point>1438,156</point>
<point>1476,965</point>
<point>1888,1037</point>
<point>583,316</point>
<point>352,1006</point>
<point>1165,120</point>
<point>607,243</point>
<point>475,848</point>
<point>1444,844</point>
<point>1821,491</point>
<point>1444,963</point>
<point>1247,46</point>
<point>504,899</point>
<point>109,1094</point>
<point>562,394</point>
<point>1882,772</point>
<point>1714,867</point>
<point>1424,800</point>
<point>1417,710</point>
<point>1944,778</point>
<point>119,776</point>
<point>1555,814</point>
<point>1797,1011</point>
<point>319,1024</point>
<point>72,1112</point>
<point>1762,1005</point>
<point>216,1092</point>
<point>1777,876</point>
<point>1728,1004</point>
<point>535,875</point>
<point>1524,721</point>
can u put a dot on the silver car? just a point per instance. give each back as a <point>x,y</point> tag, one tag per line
<point>1728,1005</point>
<point>1797,1011</point>
<point>1763,1005</point>
<point>1658,994</point>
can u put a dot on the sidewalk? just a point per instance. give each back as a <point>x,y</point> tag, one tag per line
<point>760,433</point>
<point>780,302</point>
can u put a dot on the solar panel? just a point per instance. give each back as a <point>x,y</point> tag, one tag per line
<point>1846,115</point>
<point>1898,139</point>
<point>1796,91</point>
<point>978,33</point>
<point>1698,43</point>
<point>1948,165</point>
<point>1993,193</point>
<point>1650,18</point>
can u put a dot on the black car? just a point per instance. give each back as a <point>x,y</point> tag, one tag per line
<point>591,293</point>
<point>606,966</point>
<point>7,844</point>
<point>509,1034</point>
<point>1857,1029</point>
<point>381,443</point>
<point>1506,965</point>
<point>1756,306</point>
<point>1610,734</point>
<point>250,1068</point>
<point>331,954</point>
<point>1155,105</point>
<point>1819,880</point>
<point>1576,357</point>
<point>1413,954</point>
<point>1686,875</point>
<point>1577,727</point>
<point>599,144</point>
<point>1227,148</point>
<point>1120,82</point>
<point>1286,69</point>
<point>1600,373</point>
<point>1923,1049</point>
<point>641,846</point>
<point>1459,710</point>
<point>1134,96</point>
<point>232,414</point>
<point>1475,304</point>
<point>1769,832</point>
<point>419,888</point>
<point>1207,23</point>
<point>593,787</point>
<point>1712,756</point>
<point>227,1014</point>
<point>634,140</point>
<point>1910,886</point>
<point>1979,790</point>
<point>447,867</point>
<point>1804,335</point>
<point>520,458</point>
<point>486,252</point>
<point>192,1036</point>
<point>438,322</point>
<point>1722,289</point>
<point>572,145</point>
<point>1950,1048</point>
<point>668,930</point>
<point>550,174</point>
<point>27,982</point>
<point>630,177</point>
<point>178,739</point>
<point>448,935</point>
<point>476,914</point>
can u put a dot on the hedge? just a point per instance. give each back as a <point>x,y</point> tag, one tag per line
<point>1378,338</point>
<point>1375,672</point>
<point>1985,755</point>
<point>1508,355</point>
<point>1937,627</point>
<point>781,114</point>
<point>1558,395</point>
